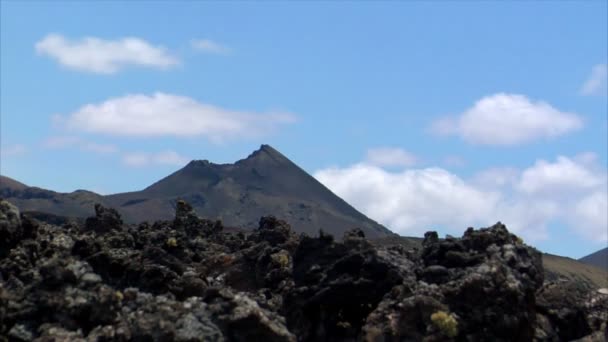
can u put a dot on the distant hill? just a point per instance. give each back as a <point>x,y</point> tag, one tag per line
<point>264,183</point>
<point>74,204</point>
<point>597,259</point>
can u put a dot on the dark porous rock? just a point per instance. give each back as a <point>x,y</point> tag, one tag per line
<point>20,332</point>
<point>479,287</point>
<point>273,231</point>
<point>11,230</point>
<point>430,238</point>
<point>435,274</point>
<point>244,320</point>
<point>56,274</point>
<point>574,311</point>
<point>105,220</point>
<point>405,315</point>
<point>336,287</point>
<point>191,280</point>
<point>355,239</point>
<point>187,220</point>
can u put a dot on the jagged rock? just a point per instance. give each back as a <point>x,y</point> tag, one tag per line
<point>574,310</point>
<point>273,231</point>
<point>406,316</point>
<point>336,287</point>
<point>105,219</point>
<point>244,320</point>
<point>162,318</point>
<point>485,283</point>
<point>187,220</point>
<point>188,280</point>
<point>11,230</point>
<point>20,332</point>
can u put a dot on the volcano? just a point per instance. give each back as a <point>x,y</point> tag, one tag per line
<point>264,183</point>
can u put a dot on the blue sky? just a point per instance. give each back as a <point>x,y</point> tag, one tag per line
<point>422,115</point>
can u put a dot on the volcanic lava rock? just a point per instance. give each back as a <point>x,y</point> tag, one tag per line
<point>186,219</point>
<point>10,221</point>
<point>190,280</point>
<point>484,283</point>
<point>105,219</point>
<point>336,287</point>
<point>573,310</point>
<point>11,230</point>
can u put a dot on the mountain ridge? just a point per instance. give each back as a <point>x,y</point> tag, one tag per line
<point>597,259</point>
<point>266,182</point>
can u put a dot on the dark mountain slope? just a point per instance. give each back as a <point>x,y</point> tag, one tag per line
<point>264,183</point>
<point>597,259</point>
<point>74,204</point>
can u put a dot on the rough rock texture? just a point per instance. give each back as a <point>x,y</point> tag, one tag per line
<point>574,311</point>
<point>190,280</point>
<point>484,282</point>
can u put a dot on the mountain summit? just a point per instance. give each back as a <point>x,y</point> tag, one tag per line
<point>264,183</point>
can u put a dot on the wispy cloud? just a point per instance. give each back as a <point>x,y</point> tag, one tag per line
<point>568,190</point>
<point>172,115</point>
<point>96,55</point>
<point>454,161</point>
<point>390,156</point>
<point>508,119</point>
<point>596,83</point>
<point>61,142</point>
<point>140,159</point>
<point>13,150</point>
<point>209,46</point>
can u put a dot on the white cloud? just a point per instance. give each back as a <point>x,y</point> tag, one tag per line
<point>596,83</point>
<point>388,156</point>
<point>508,119</point>
<point>97,55</point>
<point>13,150</point>
<point>561,177</point>
<point>209,46</point>
<point>61,142</point>
<point>496,178</point>
<point>140,159</point>
<point>413,201</point>
<point>172,115</point>
<point>591,214</point>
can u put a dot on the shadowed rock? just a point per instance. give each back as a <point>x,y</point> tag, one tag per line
<point>189,280</point>
<point>105,219</point>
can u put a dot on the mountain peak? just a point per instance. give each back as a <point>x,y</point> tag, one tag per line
<point>199,162</point>
<point>265,153</point>
<point>265,148</point>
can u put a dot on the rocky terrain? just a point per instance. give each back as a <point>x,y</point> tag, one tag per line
<point>188,279</point>
<point>556,268</point>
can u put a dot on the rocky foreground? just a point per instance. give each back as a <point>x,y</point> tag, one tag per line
<point>191,280</point>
